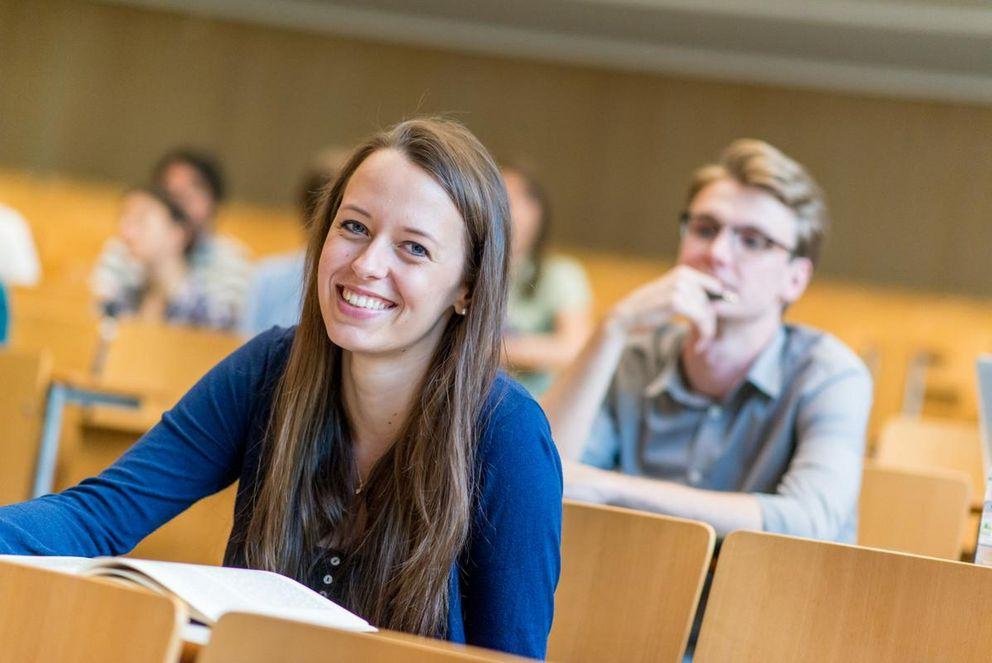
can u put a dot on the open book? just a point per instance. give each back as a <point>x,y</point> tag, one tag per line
<point>210,591</point>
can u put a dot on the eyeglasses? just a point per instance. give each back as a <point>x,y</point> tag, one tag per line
<point>744,240</point>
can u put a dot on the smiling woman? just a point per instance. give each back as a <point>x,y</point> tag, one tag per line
<point>383,459</point>
<point>393,262</point>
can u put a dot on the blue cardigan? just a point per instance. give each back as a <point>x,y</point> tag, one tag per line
<point>502,584</point>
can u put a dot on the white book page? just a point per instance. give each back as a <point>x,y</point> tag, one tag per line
<point>319,617</point>
<point>129,576</point>
<point>210,591</point>
<point>71,565</point>
<point>198,634</point>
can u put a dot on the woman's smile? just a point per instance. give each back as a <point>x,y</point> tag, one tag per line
<point>360,303</point>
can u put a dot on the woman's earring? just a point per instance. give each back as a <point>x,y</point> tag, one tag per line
<point>463,311</point>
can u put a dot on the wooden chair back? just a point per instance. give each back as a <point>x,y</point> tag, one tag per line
<point>915,443</point>
<point>24,379</point>
<point>923,512</point>
<point>62,323</point>
<point>53,617</point>
<point>244,638</point>
<point>163,361</point>
<point>629,586</point>
<point>949,385</point>
<point>778,598</point>
<point>198,535</point>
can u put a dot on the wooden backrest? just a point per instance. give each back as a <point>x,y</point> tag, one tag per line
<point>629,586</point>
<point>915,511</point>
<point>52,617</point>
<point>244,638</point>
<point>24,381</point>
<point>163,360</point>
<point>60,322</point>
<point>916,443</point>
<point>198,535</point>
<point>778,598</point>
<point>949,381</point>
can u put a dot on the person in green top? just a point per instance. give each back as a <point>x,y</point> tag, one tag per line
<point>549,315</point>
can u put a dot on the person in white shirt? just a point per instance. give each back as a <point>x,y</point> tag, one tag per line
<point>19,263</point>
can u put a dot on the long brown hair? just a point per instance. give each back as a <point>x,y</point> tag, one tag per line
<point>418,496</point>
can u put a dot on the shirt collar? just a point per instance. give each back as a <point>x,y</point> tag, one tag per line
<point>668,348</point>
<point>765,373</point>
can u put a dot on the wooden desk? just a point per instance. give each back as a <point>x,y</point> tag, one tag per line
<point>199,534</point>
<point>245,637</point>
<point>62,392</point>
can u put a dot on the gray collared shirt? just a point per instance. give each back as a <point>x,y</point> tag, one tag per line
<point>793,433</point>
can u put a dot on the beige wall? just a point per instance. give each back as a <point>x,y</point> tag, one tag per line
<point>99,91</point>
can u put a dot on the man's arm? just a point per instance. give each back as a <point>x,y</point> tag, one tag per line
<point>815,498</point>
<point>819,492</point>
<point>725,511</point>
<point>572,402</point>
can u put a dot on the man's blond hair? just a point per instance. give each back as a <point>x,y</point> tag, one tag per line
<point>757,164</point>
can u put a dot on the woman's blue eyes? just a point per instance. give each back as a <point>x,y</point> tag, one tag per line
<point>418,250</point>
<point>413,248</point>
<point>355,227</point>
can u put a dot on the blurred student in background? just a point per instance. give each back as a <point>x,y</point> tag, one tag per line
<point>275,293</point>
<point>156,280</point>
<point>19,265</point>
<point>220,264</point>
<point>549,314</point>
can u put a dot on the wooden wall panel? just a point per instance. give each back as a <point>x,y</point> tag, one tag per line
<point>99,91</point>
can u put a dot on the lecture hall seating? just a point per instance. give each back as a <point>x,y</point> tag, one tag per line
<point>244,638</point>
<point>779,599</point>
<point>920,346</point>
<point>630,584</point>
<point>53,617</point>
<point>924,512</point>
<point>893,329</point>
<point>24,380</point>
<point>924,443</point>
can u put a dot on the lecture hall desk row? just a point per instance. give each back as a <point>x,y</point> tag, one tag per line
<point>921,346</point>
<point>630,587</point>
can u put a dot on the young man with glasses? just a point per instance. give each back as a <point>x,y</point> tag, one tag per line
<point>693,388</point>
